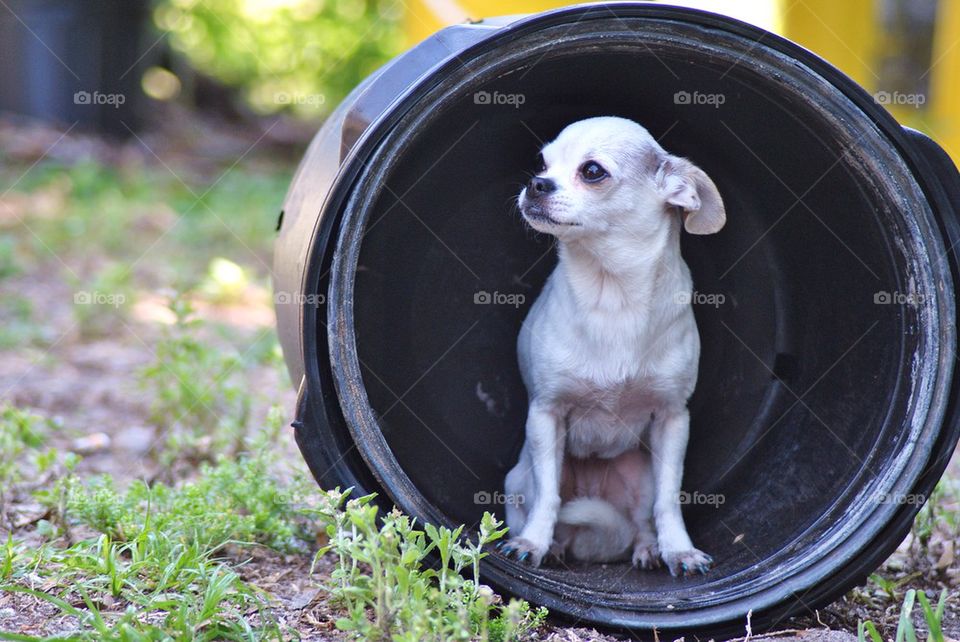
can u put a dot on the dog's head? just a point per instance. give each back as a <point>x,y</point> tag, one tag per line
<point>609,174</point>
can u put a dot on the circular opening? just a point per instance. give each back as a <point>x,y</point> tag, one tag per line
<point>817,305</point>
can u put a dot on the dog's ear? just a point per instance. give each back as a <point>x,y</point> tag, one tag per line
<point>686,186</point>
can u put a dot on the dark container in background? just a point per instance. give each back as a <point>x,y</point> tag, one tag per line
<point>74,61</point>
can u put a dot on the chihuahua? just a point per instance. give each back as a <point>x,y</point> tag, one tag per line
<point>609,351</point>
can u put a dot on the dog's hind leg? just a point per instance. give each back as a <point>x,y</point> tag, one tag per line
<point>646,553</point>
<point>635,496</point>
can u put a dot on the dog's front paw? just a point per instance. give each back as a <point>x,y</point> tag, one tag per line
<point>646,556</point>
<point>687,562</point>
<point>523,550</point>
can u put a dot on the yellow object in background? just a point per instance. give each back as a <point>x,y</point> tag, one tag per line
<point>849,35</point>
<point>944,124</point>
<point>426,17</point>
<point>844,32</point>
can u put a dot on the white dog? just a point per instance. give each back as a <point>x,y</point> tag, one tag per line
<point>609,351</point>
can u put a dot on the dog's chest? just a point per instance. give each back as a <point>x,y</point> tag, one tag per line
<point>606,420</point>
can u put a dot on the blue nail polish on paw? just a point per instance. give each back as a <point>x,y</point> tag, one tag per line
<point>523,556</point>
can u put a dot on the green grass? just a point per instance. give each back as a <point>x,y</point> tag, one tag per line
<point>390,591</point>
<point>941,510</point>
<point>157,556</point>
<point>932,615</point>
<point>101,302</point>
<point>18,328</point>
<point>891,588</point>
<point>9,264</point>
<point>200,402</point>
<point>156,553</point>
<point>110,233</point>
<point>71,208</point>
<point>23,435</point>
<point>234,500</point>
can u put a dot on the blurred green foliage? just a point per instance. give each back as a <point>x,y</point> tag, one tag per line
<point>299,55</point>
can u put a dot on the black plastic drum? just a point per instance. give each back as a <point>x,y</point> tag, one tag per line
<point>826,403</point>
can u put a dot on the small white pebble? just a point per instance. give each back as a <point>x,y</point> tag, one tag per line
<point>135,439</point>
<point>92,443</point>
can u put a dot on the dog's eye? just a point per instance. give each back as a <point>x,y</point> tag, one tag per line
<point>541,164</point>
<point>593,172</point>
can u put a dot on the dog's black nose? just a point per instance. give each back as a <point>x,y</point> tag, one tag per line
<point>539,186</point>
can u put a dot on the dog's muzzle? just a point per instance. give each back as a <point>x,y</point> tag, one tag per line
<point>532,206</point>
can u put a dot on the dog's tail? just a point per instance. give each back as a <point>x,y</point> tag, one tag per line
<point>601,533</point>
